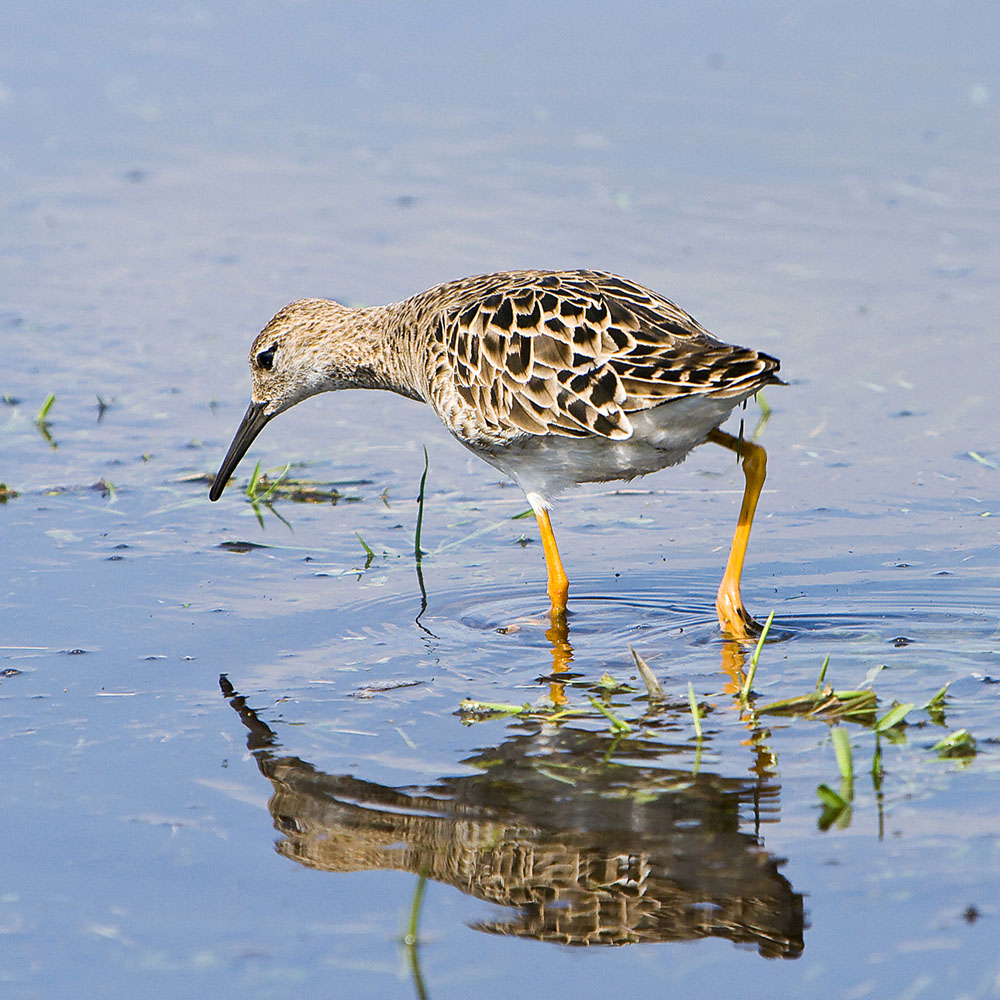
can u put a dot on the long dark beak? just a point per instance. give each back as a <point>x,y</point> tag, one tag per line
<point>251,425</point>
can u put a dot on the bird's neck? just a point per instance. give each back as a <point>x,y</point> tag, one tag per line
<point>390,351</point>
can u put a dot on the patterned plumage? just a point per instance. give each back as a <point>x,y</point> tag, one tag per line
<point>574,353</point>
<point>554,377</point>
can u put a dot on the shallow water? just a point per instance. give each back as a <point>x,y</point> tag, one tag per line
<point>228,765</point>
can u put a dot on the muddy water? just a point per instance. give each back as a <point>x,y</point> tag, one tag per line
<point>233,750</point>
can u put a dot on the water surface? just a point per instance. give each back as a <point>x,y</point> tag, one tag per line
<point>230,765</point>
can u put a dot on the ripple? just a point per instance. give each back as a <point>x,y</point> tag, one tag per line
<point>503,628</point>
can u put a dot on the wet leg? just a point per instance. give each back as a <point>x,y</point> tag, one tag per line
<point>558,587</point>
<point>733,615</point>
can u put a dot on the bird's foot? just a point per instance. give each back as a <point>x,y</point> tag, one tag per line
<point>734,619</point>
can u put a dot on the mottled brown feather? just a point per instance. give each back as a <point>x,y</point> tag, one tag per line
<point>575,352</point>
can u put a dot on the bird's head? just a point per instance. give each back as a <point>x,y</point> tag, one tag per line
<point>303,350</point>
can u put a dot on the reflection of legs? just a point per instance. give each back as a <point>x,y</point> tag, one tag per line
<point>733,616</point>
<point>733,662</point>
<point>562,655</point>
<point>558,582</point>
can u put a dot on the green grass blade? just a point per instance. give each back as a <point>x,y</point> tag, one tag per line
<point>618,725</point>
<point>938,700</point>
<point>254,480</point>
<point>752,672</point>
<point>43,411</point>
<point>822,672</point>
<point>960,744</point>
<point>472,706</point>
<point>695,711</point>
<point>893,717</point>
<point>842,748</point>
<point>271,487</point>
<point>369,554</point>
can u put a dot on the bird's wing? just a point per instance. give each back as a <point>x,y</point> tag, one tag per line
<point>573,353</point>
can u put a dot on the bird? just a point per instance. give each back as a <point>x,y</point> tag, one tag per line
<point>555,378</point>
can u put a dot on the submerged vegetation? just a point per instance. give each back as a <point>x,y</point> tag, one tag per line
<point>824,704</point>
<point>265,488</point>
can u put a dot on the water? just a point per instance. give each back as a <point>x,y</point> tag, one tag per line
<point>816,182</point>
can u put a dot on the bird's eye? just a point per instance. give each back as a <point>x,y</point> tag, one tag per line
<point>265,359</point>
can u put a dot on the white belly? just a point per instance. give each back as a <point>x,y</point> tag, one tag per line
<point>545,465</point>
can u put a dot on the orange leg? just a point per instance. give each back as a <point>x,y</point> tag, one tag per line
<point>558,581</point>
<point>558,632</point>
<point>733,616</point>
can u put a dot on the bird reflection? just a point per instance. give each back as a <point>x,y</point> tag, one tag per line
<point>581,834</point>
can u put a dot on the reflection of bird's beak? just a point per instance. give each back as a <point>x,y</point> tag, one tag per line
<point>251,425</point>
